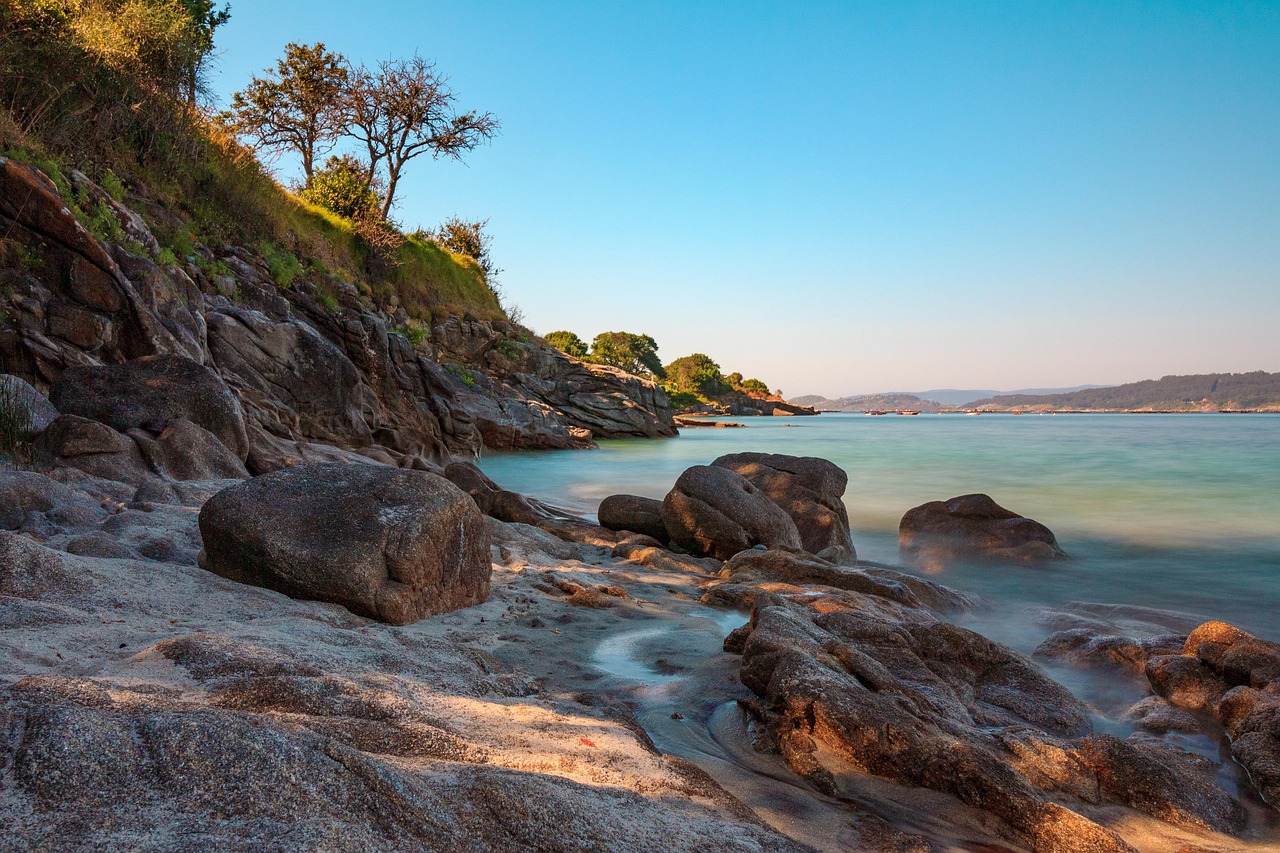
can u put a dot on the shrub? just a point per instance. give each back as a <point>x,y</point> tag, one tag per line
<point>342,186</point>
<point>283,266</point>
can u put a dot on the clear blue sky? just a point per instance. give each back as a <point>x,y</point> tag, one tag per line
<point>851,197</point>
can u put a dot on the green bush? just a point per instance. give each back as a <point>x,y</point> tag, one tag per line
<point>568,343</point>
<point>468,378</point>
<point>283,266</point>
<point>342,186</point>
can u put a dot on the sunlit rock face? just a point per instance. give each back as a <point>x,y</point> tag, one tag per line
<point>860,676</point>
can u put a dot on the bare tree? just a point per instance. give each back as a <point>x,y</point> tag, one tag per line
<point>403,109</point>
<point>297,106</point>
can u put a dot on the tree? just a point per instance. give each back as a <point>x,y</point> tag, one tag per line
<point>754,387</point>
<point>297,106</point>
<point>206,18</point>
<point>470,239</point>
<point>568,343</point>
<point>404,109</point>
<point>734,379</point>
<point>636,354</point>
<point>697,374</point>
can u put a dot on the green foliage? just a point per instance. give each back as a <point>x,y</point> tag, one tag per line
<point>15,423</point>
<point>330,302</point>
<point>283,266</point>
<point>697,374</point>
<point>416,333</point>
<point>754,387</point>
<point>98,218</point>
<point>343,186</point>
<point>508,349</point>
<point>112,184</point>
<point>568,343</point>
<point>469,239</point>
<point>468,378</point>
<point>298,106</point>
<point>636,354</point>
<point>165,257</point>
<point>31,256</point>
<point>683,399</point>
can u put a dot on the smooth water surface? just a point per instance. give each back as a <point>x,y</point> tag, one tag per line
<point>1171,511</point>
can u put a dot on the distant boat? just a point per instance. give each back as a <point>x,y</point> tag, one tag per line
<point>973,413</point>
<point>876,412</point>
<point>1016,412</point>
<point>907,412</point>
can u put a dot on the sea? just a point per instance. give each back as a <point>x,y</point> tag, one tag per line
<point>1172,511</point>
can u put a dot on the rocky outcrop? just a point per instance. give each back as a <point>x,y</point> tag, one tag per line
<point>149,393</point>
<point>1234,676</point>
<point>390,544</point>
<point>26,401</point>
<point>314,366</point>
<point>173,450</point>
<point>634,513</point>
<point>714,512</point>
<point>974,527</point>
<point>853,674</point>
<point>808,489</point>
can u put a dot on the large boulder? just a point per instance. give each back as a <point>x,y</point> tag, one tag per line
<point>717,513</point>
<point>974,527</point>
<point>392,544</point>
<point>150,392</point>
<point>809,489</point>
<point>634,513</point>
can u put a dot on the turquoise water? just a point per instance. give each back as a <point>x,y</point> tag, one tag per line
<point>1172,511</point>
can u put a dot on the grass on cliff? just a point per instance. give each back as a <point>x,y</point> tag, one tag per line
<point>195,184</point>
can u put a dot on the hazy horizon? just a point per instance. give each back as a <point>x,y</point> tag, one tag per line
<point>859,195</point>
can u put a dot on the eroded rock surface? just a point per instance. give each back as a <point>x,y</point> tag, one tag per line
<point>808,489</point>
<point>715,512</point>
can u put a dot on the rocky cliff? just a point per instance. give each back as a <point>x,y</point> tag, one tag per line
<point>314,364</point>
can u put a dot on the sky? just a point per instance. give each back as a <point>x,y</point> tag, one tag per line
<point>852,197</point>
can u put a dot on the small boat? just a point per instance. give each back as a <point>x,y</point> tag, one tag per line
<point>876,412</point>
<point>907,412</point>
<point>975,412</point>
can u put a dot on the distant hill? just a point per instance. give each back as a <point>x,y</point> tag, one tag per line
<point>1202,392</point>
<point>960,396</point>
<point>869,403</point>
<point>945,398</point>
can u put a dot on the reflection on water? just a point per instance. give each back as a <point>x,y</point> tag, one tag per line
<point>1170,511</point>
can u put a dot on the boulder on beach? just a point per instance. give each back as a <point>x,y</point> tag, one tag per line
<point>974,527</point>
<point>717,513</point>
<point>634,513</point>
<point>809,490</point>
<point>391,544</point>
<point>149,392</point>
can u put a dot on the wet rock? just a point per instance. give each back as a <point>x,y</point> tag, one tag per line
<point>974,527</point>
<point>715,512</point>
<point>149,393</point>
<point>633,513</point>
<point>1087,646</point>
<point>1160,783</point>
<point>788,567</point>
<point>386,543</point>
<point>1185,682</point>
<point>808,489</point>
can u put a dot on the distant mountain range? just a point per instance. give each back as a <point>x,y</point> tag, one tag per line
<point>923,401</point>
<point>1257,391</point>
